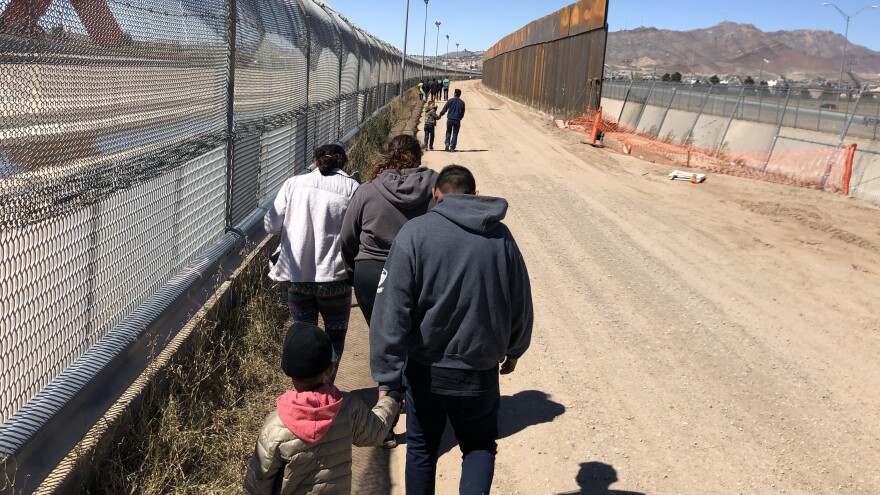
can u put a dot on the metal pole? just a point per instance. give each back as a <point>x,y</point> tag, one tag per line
<point>403,55</point>
<point>845,40</point>
<point>690,134</point>
<point>778,131</point>
<point>447,54</point>
<point>849,118</point>
<point>625,98</point>
<point>732,116</point>
<point>424,40</point>
<point>437,46</point>
<point>232,20</point>
<point>645,105</point>
<point>843,62</point>
<point>877,118</point>
<point>666,113</point>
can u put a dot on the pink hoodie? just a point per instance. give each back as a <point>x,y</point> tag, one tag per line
<point>309,415</point>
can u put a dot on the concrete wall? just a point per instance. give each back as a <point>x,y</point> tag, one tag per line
<point>677,125</point>
<point>611,108</point>
<point>652,120</point>
<point>749,136</point>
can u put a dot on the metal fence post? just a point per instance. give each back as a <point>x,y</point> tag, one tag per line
<point>690,134</point>
<point>778,130</point>
<point>231,20</point>
<point>666,112</point>
<point>877,118</point>
<point>625,99</point>
<point>850,117</point>
<point>732,116</point>
<point>645,105</point>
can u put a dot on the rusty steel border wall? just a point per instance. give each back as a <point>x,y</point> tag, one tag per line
<point>555,63</point>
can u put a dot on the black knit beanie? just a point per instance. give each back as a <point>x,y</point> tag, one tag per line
<point>307,351</point>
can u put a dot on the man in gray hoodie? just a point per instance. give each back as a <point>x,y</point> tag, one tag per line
<point>453,302</point>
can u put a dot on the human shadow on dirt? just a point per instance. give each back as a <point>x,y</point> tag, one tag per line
<point>469,151</point>
<point>596,478</point>
<point>517,412</point>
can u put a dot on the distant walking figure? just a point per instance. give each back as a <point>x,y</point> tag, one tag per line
<point>430,123</point>
<point>445,88</point>
<point>455,107</point>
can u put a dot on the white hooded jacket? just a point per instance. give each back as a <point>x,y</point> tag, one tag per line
<point>308,212</point>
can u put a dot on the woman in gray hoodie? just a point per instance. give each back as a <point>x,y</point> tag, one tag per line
<point>400,190</point>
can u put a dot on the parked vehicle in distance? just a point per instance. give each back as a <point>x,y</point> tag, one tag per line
<point>831,106</point>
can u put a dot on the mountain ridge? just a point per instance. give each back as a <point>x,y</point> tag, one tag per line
<point>736,49</point>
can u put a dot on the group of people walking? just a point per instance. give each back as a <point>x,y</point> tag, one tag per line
<point>434,89</point>
<point>445,292</point>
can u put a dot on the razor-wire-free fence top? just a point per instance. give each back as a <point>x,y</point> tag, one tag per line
<point>137,138</point>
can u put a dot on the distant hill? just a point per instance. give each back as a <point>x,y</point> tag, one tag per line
<point>738,50</point>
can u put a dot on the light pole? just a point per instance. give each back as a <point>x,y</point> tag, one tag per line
<point>437,46</point>
<point>403,55</point>
<point>845,38</point>
<point>424,40</point>
<point>447,53</point>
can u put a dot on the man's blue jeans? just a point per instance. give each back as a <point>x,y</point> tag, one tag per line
<point>452,128</point>
<point>475,422</point>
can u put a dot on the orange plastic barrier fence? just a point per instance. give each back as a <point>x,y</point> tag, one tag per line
<point>826,168</point>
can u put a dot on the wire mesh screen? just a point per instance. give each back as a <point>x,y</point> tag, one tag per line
<point>132,137</point>
<point>107,113</point>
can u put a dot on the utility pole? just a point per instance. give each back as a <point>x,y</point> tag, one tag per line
<point>447,53</point>
<point>424,40</point>
<point>403,55</point>
<point>845,40</point>
<point>437,46</point>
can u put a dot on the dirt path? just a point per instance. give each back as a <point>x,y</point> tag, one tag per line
<point>713,338</point>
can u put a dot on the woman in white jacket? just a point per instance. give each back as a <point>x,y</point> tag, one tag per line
<point>308,212</point>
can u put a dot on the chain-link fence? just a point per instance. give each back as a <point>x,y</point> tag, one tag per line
<point>780,122</point>
<point>134,135</point>
<point>555,63</point>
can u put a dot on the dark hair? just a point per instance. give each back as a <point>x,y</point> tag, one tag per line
<point>457,93</point>
<point>330,157</point>
<point>403,151</point>
<point>455,179</point>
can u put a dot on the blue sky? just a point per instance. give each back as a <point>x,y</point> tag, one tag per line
<point>478,24</point>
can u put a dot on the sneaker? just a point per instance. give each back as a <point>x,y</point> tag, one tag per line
<point>431,148</point>
<point>390,441</point>
<point>447,147</point>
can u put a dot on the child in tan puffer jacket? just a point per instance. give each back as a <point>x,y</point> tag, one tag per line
<point>305,444</point>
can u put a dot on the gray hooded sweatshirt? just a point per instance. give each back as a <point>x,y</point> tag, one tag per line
<point>454,294</point>
<point>379,209</point>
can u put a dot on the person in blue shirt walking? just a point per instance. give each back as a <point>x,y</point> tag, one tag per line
<point>445,88</point>
<point>455,107</point>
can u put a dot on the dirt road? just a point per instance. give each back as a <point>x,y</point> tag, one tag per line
<point>712,338</point>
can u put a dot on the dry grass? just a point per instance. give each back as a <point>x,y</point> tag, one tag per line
<point>365,149</point>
